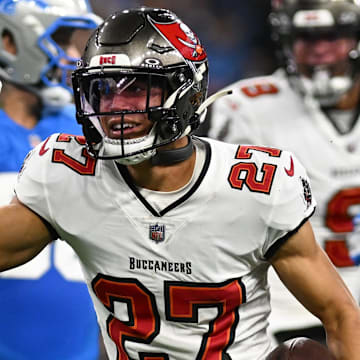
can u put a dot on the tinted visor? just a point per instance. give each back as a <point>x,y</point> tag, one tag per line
<point>111,94</point>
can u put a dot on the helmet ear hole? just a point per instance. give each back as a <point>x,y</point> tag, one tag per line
<point>63,35</point>
<point>8,42</point>
<point>179,78</point>
<point>170,125</point>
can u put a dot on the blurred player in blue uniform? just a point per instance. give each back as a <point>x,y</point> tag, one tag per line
<point>43,302</point>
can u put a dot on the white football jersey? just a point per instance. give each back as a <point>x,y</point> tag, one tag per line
<point>267,111</point>
<point>188,281</point>
<point>65,260</point>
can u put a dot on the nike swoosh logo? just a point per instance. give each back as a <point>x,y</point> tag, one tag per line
<point>43,151</point>
<point>290,172</point>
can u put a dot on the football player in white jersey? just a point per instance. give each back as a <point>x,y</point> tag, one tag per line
<point>175,233</point>
<point>310,107</point>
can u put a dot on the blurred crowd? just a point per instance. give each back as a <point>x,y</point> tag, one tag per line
<point>235,34</point>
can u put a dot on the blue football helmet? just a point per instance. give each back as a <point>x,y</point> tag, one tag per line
<point>40,31</point>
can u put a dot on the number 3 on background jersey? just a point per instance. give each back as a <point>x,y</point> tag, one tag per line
<point>339,221</point>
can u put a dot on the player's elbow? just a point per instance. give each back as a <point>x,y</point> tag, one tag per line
<point>343,318</point>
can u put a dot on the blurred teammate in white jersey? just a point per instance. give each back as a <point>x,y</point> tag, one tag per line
<point>311,107</point>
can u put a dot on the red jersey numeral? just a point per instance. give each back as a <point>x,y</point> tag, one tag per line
<point>182,304</point>
<point>259,89</point>
<point>67,138</point>
<point>144,321</point>
<point>243,151</point>
<point>59,156</point>
<point>251,171</point>
<point>184,301</point>
<point>339,221</point>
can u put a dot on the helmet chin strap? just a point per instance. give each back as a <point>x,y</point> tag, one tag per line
<point>173,156</point>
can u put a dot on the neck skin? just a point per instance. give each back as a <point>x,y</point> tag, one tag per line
<point>164,178</point>
<point>351,99</point>
<point>20,105</point>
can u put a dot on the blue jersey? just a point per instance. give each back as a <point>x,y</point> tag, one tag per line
<point>46,311</point>
<point>16,141</point>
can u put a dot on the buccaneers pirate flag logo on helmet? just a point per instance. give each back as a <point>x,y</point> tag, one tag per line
<point>182,38</point>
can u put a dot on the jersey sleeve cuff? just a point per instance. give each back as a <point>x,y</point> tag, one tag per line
<point>276,246</point>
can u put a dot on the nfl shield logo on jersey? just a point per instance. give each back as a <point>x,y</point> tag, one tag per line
<point>157,232</point>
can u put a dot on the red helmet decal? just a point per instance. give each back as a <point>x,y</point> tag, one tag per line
<point>183,39</point>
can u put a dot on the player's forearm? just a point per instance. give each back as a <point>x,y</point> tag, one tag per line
<point>22,236</point>
<point>343,334</point>
<point>7,248</point>
<point>11,257</point>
